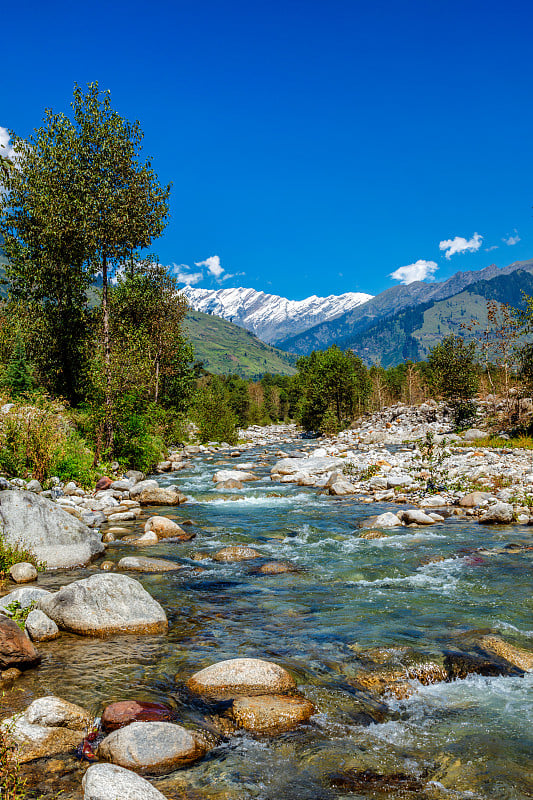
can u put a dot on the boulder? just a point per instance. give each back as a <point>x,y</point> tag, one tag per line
<point>102,484</point>
<point>54,537</point>
<point>231,484</point>
<point>498,514</point>
<point>156,748</point>
<point>233,475</point>
<point>165,528</point>
<point>109,782</point>
<point>277,568</point>
<point>435,501</point>
<point>160,497</point>
<point>341,487</point>
<point>142,564</point>
<point>24,596</point>
<point>141,541</point>
<point>240,677</point>
<point>473,434</point>
<point>473,499</point>
<point>135,476</point>
<point>40,628</point>
<point>34,486</point>
<point>415,516</point>
<point>236,553</point>
<point>311,466</point>
<point>386,520</point>
<point>271,713</point>
<point>40,741</point>
<point>23,572</point>
<point>514,655</point>
<point>104,604</point>
<point>398,480</point>
<point>117,715</point>
<point>138,488</point>
<point>16,649</point>
<point>53,712</point>
<point>459,665</point>
<point>372,535</point>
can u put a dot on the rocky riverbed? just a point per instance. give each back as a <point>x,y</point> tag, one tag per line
<point>287,618</point>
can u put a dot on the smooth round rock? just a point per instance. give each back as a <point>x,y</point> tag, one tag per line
<point>236,553</point>
<point>271,713</point>
<point>104,604</point>
<point>23,572</point>
<point>140,541</point>
<point>40,628</point>
<point>142,564</point>
<point>123,712</point>
<point>164,528</point>
<point>40,741</point>
<point>156,748</point>
<point>16,648</point>
<point>110,782</point>
<point>53,712</point>
<point>239,677</point>
<point>277,568</point>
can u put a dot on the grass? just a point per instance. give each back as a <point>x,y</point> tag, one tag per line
<point>14,554</point>
<point>227,349</point>
<point>515,442</point>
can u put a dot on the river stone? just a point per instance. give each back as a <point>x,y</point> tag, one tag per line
<point>54,536</point>
<point>371,534</point>
<point>277,568</point>
<point>165,528</point>
<point>156,748</point>
<point>53,712</point>
<point>141,541</point>
<point>386,520</point>
<point>498,514</point>
<point>473,499</point>
<point>239,677</point>
<point>271,713</point>
<point>117,715</point>
<point>24,596</point>
<point>40,628</point>
<point>138,488</point>
<point>473,434</point>
<point>135,476</point>
<point>23,572</point>
<point>398,480</point>
<point>160,497</point>
<point>236,553</point>
<point>230,484</point>
<point>415,516</point>
<point>341,487</point>
<point>39,741</point>
<point>460,665</point>
<point>233,475</point>
<point>109,782</point>
<point>104,604</point>
<point>514,655</point>
<point>142,564</point>
<point>16,649</point>
<point>436,501</point>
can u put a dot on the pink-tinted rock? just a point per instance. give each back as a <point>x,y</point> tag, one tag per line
<point>121,713</point>
<point>103,483</point>
<point>16,649</point>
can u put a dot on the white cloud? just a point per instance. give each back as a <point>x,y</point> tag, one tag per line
<point>419,271</point>
<point>5,148</point>
<point>182,274</point>
<point>493,247</point>
<point>510,240</point>
<point>213,265</point>
<point>461,245</point>
<point>232,275</point>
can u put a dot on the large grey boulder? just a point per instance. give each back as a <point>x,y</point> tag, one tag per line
<point>238,677</point>
<point>110,782</point>
<point>139,487</point>
<point>24,596</point>
<point>498,514</point>
<point>39,741</point>
<point>54,712</point>
<point>156,748</point>
<point>105,604</point>
<point>55,537</point>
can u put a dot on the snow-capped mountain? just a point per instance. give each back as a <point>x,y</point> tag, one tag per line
<point>269,316</point>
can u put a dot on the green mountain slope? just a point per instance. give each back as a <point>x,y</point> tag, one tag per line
<point>225,348</point>
<point>413,332</point>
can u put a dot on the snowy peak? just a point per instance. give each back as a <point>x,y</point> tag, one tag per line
<point>269,316</point>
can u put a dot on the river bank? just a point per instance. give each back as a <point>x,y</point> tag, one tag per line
<point>367,626</point>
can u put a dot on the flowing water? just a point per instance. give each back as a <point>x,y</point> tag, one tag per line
<point>470,738</point>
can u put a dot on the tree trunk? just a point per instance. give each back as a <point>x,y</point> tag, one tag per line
<point>108,425</point>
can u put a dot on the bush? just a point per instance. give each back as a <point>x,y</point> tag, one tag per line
<point>15,554</point>
<point>73,461</point>
<point>29,440</point>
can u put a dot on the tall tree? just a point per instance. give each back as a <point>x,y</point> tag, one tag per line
<point>454,374</point>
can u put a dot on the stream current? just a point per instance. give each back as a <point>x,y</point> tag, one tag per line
<point>472,737</point>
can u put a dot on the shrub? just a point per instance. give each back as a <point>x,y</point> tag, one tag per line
<point>73,461</point>
<point>213,415</point>
<point>12,785</point>
<point>14,554</point>
<point>20,614</point>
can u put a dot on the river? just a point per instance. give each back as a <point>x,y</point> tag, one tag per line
<point>422,589</point>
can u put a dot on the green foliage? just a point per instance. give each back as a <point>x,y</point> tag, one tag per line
<point>213,414</point>
<point>30,437</point>
<point>331,382</point>
<point>20,614</point>
<point>454,375</point>
<point>15,554</point>
<point>432,457</point>
<point>12,784</point>
<point>74,461</point>
<point>18,376</point>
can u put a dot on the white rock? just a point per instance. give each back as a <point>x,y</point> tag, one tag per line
<point>110,782</point>
<point>39,627</point>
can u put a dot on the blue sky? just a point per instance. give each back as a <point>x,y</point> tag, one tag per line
<point>314,147</point>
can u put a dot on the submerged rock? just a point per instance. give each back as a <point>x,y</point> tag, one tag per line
<point>236,553</point>
<point>460,665</point>
<point>223,475</point>
<point>239,677</point>
<point>140,564</point>
<point>117,715</point>
<point>104,604</point>
<point>277,568</point>
<point>156,748</point>
<point>523,659</point>
<point>110,782</point>
<point>54,537</point>
<point>271,713</point>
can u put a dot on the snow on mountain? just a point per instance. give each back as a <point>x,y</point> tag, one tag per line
<point>269,316</point>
